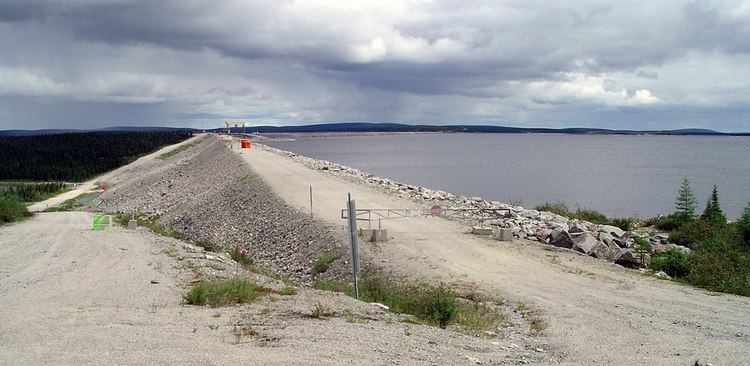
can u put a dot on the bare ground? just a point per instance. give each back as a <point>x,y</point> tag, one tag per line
<point>598,313</point>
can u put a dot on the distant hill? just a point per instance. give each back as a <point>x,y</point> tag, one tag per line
<point>393,127</point>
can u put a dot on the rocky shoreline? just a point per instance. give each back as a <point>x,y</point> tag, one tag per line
<point>605,242</point>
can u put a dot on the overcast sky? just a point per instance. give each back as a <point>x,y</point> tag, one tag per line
<point>622,64</point>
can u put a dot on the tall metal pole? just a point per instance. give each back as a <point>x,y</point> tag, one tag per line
<point>353,242</point>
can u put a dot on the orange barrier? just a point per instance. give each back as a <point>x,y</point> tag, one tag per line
<point>245,143</point>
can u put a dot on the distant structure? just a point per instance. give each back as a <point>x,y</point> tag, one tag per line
<point>236,124</point>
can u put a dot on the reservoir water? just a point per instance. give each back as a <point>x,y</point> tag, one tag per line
<point>618,175</point>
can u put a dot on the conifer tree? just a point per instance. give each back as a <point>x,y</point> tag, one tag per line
<point>744,224</point>
<point>713,213</point>
<point>685,202</point>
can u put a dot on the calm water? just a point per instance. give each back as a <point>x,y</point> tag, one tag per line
<point>618,175</point>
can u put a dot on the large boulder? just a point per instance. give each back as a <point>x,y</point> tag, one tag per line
<point>614,230</point>
<point>607,252</point>
<point>607,238</point>
<point>629,259</point>
<point>543,233</point>
<point>585,243</point>
<point>561,238</point>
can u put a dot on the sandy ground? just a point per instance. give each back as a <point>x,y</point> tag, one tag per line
<point>89,185</point>
<point>599,313</point>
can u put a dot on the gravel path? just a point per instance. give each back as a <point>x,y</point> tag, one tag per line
<point>599,313</point>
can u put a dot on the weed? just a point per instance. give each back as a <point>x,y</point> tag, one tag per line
<point>537,324</point>
<point>287,291</point>
<point>224,292</point>
<point>216,315</point>
<point>322,311</point>
<point>321,264</point>
<point>207,245</point>
<point>479,318</point>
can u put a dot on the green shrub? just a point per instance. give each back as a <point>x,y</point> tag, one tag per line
<point>590,215</point>
<point>586,214</point>
<point>697,231</point>
<point>666,223</point>
<point>224,292</point>
<point>721,266</point>
<point>435,305</point>
<point>321,264</point>
<point>625,223</point>
<point>558,207</point>
<point>673,262</point>
<point>12,209</point>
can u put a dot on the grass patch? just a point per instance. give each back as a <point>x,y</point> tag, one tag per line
<point>224,292</point>
<point>175,151</point>
<point>12,209</point>
<point>427,304</point>
<point>150,223</point>
<point>321,264</point>
<point>587,214</point>
<point>321,311</point>
<point>78,201</point>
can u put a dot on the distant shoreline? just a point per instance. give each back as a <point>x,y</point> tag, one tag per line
<point>396,128</point>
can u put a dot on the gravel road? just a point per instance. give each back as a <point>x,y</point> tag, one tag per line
<point>599,313</point>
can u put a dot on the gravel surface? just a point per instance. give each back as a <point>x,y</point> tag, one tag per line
<point>71,295</point>
<point>209,192</point>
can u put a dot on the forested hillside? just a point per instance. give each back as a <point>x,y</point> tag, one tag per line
<point>76,156</point>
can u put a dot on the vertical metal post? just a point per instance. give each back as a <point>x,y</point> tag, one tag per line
<point>311,206</point>
<point>352,216</point>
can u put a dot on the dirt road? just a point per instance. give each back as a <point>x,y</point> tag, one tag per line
<point>601,314</point>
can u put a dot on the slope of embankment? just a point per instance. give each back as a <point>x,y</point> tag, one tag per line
<point>209,193</point>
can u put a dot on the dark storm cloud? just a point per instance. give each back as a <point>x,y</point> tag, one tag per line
<point>421,61</point>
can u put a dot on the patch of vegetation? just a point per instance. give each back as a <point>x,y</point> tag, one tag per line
<point>76,157</point>
<point>322,311</point>
<point>32,192</point>
<point>12,209</point>
<point>586,214</point>
<point>287,290</point>
<point>72,203</point>
<point>207,245</point>
<point>672,262</point>
<point>224,292</point>
<point>322,263</point>
<point>720,256</point>
<point>240,256</point>
<point>175,151</point>
<point>150,223</point>
<point>428,304</point>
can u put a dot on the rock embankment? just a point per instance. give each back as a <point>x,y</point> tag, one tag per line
<point>600,241</point>
<point>209,192</point>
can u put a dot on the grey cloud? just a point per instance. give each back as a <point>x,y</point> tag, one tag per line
<point>291,62</point>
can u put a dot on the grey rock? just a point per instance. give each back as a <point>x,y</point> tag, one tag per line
<point>614,230</point>
<point>629,259</point>
<point>560,238</point>
<point>585,243</point>
<point>607,252</point>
